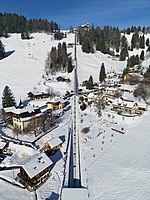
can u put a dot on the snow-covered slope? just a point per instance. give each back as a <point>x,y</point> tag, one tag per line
<point>23,69</point>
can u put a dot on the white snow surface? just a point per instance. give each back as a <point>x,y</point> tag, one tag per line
<point>114,166</point>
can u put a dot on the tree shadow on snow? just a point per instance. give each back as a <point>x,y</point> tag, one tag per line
<point>53,196</point>
<point>8,53</point>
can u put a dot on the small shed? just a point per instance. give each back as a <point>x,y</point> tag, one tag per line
<point>53,145</point>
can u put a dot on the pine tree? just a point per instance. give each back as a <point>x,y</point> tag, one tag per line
<point>90,83</point>
<point>147,42</point>
<point>128,31</point>
<point>143,30</point>
<point>70,66</point>
<point>53,58</point>
<point>142,42</point>
<point>147,73</point>
<point>8,99</point>
<point>123,53</point>
<point>135,40</point>
<point>59,57</point>
<point>2,50</point>
<point>133,60</point>
<point>102,74</point>
<point>142,55</point>
<point>123,41</point>
<point>64,56</point>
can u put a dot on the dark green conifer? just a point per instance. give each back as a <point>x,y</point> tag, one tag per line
<point>2,50</point>
<point>8,98</point>
<point>102,74</point>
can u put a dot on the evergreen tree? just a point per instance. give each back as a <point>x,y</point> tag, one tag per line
<point>147,42</point>
<point>123,53</point>
<point>135,40</point>
<point>2,50</point>
<point>87,46</point>
<point>64,56</point>
<point>59,57</point>
<point>143,30</point>
<point>123,41</point>
<point>147,73</point>
<point>133,60</point>
<point>142,55</point>
<point>125,71</point>
<point>8,98</point>
<point>128,31</point>
<point>142,42</point>
<point>90,83</point>
<point>70,66</point>
<point>102,74</point>
<point>53,58</point>
<point>139,28</point>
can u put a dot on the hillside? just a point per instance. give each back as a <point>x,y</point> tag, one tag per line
<point>115,164</point>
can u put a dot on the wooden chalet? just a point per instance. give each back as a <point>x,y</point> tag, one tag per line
<point>131,108</point>
<point>35,171</point>
<point>37,95</point>
<point>132,78</point>
<point>55,104</point>
<point>51,146</point>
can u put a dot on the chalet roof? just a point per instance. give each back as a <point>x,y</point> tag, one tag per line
<point>130,104</point>
<point>23,112</point>
<point>36,164</point>
<point>56,100</point>
<point>127,104</point>
<point>37,92</point>
<point>10,109</point>
<point>27,118</point>
<point>54,142</point>
<point>38,103</point>
<point>136,75</point>
<point>2,144</point>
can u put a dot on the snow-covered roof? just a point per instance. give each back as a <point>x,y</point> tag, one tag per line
<point>142,105</point>
<point>54,142</point>
<point>56,100</point>
<point>24,119</point>
<point>136,75</point>
<point>9,109</point>
<point>37,92</point>
<point>111,89</point>
<point>38,103</point>
<point>74,193</point>
<point>2,144</point>
<point>15,110</point>
<point>36,164</point>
